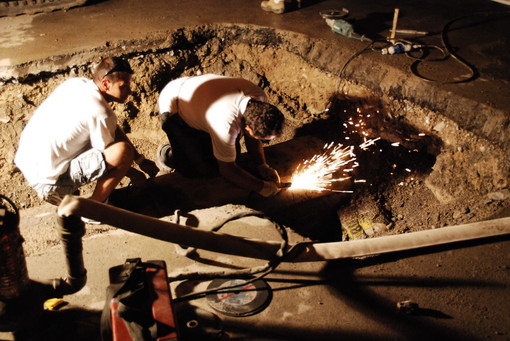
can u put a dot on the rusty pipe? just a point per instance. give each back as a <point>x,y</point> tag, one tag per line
<point>305,252</point>
<point>14,279</point>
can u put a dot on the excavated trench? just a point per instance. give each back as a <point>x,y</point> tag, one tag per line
<point>440,160</point>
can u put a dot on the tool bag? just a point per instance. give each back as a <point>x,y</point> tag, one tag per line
<point>138,304</point>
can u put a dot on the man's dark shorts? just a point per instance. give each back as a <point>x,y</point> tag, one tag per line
<point>192,151</point>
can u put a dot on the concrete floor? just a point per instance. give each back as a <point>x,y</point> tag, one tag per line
<point>463,291</point>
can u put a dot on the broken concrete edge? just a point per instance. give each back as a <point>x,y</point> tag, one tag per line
<point>388,82</point>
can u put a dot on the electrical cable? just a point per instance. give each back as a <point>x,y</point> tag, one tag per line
<point>270,267</point>
<point>248,273</point>
<point>447,51</point>
<point>351,58</point>
<point>227,289</point>
<point>368,47</point>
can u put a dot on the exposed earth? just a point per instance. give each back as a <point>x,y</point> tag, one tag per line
<point>440,159</point>
<point>424,172</point>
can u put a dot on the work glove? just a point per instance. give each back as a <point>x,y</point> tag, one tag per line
<point>269,189</point>
<point>268,173</point>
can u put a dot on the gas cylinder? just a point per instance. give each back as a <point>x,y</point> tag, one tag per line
<point>13,268</point>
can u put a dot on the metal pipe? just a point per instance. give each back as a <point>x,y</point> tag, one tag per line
<point>166,231</point>
<point>401,242</point>
<point>71,229</point>
<point>306,252</point>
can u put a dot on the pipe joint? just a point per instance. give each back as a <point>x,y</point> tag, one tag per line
<point>68,285</point>
<point>70,227</point>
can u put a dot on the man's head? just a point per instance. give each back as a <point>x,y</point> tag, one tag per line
<point>113,77</point>
<point>263,120</point>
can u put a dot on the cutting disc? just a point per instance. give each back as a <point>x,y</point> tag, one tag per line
<point>334,14</point>
<point>243,300</point>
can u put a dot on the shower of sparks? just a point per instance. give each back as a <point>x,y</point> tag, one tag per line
<point>321,172</point>
<point>318,172</point>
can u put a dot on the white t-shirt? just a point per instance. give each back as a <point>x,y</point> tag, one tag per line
<point>74,118</point>
<point>214,104</point>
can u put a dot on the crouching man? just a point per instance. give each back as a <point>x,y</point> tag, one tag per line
<point>73,137</point>
<point>205,116</point>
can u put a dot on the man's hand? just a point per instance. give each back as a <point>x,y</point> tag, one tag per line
<point>269,189</point>
<point>149,167</point>
<point>268,173</point>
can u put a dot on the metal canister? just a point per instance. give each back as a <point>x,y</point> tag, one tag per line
<point>13,268</point>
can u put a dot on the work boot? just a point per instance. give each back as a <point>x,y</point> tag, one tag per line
<point>275,6</point>
<point>164,159</point>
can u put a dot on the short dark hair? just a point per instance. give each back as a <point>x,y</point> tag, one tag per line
<point>110,66</point>
<point>263,118</point>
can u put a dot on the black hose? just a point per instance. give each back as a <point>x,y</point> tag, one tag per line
<point>448,51</point>
<point>247,273</point>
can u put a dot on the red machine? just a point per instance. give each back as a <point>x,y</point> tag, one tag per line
<point>140,304</point>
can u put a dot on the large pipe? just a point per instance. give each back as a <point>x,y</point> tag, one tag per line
<point>309,252</point>
<point>401,242</point>
<point>71,229</point>
<point>166,231</point>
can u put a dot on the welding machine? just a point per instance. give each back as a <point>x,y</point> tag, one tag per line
<point>138,305</point>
